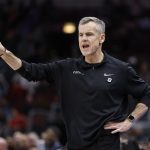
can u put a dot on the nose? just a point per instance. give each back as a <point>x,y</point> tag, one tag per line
<point>84,38</point>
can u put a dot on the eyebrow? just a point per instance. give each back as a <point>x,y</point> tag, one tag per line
<point>89,32</point>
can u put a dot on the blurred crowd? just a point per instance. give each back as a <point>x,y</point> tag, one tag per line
<point>30,114</point>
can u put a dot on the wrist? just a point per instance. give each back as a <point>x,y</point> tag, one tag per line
<point>131,118</point>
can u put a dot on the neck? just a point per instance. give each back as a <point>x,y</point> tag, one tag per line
<point>95,58</point>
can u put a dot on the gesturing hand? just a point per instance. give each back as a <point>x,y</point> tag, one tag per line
<point>2,49</point>
<point>119,126</point>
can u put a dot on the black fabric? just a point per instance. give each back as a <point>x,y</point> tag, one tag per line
<point>105,142</point>
<point>90,94</point>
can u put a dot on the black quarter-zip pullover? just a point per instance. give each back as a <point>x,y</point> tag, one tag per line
<point>91,94</point>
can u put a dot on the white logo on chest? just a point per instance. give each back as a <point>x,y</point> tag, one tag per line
<point>108,74</point>
<point>109,79</point>
<point>77,72</point>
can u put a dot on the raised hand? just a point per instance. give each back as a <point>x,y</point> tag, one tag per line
<point>2,49</point>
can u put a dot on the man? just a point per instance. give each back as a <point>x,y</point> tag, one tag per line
<point>93,90</point>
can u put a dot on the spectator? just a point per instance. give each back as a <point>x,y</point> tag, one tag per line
<point>51,139</point>
<point>3,144</point>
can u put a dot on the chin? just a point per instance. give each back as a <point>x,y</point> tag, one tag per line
<point>85,53</point>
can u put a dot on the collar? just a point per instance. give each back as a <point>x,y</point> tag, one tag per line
<point>84,64</point>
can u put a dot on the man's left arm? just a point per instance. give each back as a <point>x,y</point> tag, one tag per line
<point>141,92</point>
<point>125,125</point>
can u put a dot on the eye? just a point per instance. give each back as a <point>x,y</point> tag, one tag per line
<point>89,34</point>
<point>80,34</point>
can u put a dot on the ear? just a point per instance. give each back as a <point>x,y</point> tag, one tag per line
<point>102,38</point>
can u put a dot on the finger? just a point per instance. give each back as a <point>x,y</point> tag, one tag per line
<point>115,131</point>
<point>110,127</point>
<point>111,124</point>
<point>106,125</point>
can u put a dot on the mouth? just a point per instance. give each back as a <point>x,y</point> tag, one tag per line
<point>85,46</point>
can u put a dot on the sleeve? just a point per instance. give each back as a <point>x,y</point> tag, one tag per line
<point>38,72</point>
<point>137,87</point>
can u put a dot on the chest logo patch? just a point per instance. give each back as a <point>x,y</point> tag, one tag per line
<point>108,74</point>
<point>109,80</point>
<point>77,72</point>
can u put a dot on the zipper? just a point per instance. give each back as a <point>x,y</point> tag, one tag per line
<point>93,68</point>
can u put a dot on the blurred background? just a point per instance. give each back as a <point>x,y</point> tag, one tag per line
<point>46,30</point>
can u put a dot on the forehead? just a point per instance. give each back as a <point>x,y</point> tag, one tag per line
<point>88,27</point>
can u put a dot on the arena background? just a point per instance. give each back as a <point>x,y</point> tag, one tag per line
<point>33,30</point>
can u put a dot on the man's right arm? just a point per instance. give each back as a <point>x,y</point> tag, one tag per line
<point>31,71</point>
<point>14,62</point>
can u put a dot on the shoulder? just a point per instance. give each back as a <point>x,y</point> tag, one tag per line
<point>66,63</point>
<point>116,62</point>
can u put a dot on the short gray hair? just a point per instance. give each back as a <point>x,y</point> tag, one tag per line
<point>99,22</point>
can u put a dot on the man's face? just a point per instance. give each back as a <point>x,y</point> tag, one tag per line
<point>89,38</point>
